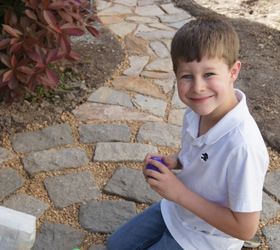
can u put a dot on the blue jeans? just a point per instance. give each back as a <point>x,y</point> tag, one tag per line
<point>145,231</point>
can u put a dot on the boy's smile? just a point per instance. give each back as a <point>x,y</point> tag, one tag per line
<point>207,86</point>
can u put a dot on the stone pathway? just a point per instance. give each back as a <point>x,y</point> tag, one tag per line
<point>135,113</point>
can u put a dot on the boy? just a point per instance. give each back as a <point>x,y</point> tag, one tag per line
<point>214,202</point>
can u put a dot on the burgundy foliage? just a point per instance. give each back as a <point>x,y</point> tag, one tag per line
<point>36,38</point>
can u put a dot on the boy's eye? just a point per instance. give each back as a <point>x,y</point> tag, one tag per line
<point>209,74</point>
<point>187,77</point>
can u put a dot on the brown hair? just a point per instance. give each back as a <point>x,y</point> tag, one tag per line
<point>209,36</point>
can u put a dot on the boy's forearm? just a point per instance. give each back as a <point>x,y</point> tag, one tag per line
<point>238,225</point>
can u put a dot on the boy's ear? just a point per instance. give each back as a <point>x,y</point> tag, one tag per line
<point>235,69</point>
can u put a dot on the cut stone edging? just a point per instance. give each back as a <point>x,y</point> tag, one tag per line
<point>52,159</point>
<point>120,151</point>
<point>46,138</point>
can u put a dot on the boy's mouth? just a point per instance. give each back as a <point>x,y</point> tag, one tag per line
<point>200,99</point>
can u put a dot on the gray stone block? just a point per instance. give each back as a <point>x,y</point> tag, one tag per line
<point>5,155</point>
<point>271,183</point>
<point>131,184</point>
<point>49,160</point>
<point>119,151</point>
<point>271,208</point>
<point>105,216</point>
<point>90,133</point>
<point>71,188</point>
<point>97,247</point>
<point>26,204</point>
<point>10,181</point>
<point>58,236</point>
<point>272,235</point>
<point>159,133</point>
<point>50,137</point>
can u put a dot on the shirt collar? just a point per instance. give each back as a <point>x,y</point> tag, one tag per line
<point>231,120</point>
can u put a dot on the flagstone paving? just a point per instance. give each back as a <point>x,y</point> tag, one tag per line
<point>136,112</point>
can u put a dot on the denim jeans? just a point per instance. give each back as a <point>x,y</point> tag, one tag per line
<point>145,231</point>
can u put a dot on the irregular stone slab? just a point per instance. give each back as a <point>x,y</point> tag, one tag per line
<point>271,208</point>
<point>272,235</point>
<point>120,151</point>
<point>111,19</point>
<point>143,28</point>
<point>122,29</point>
<point>105,216</point>
<point>167,43</point>
<point>10,181</point>
<point>49,160</point>
<point>160,26</point>
<point>145,2</point>
<point>26,204</point>
<point>161,64</point>
<point>116,9</point>
<point>157,75</point>
<point>137,63</point>
<point>165,84</point>
<point>88,112</point>
<point>131,184</point>
<point>160,133</point>
<point>175,17</point>
<point>97,247</point>
<point>152,105</point>
<point>110,96</point>
<point>170,8</point>
<point>136,45</point>
<point>176,116</point>
<point>271,183</point>
<point>176,102</point>
<point>71,188</point>
<point>58,236</point>
<point>139,85</point>
<point>100,5</point>
<point>130,3</point>
<point>178,25</point>
<point>141,19</point>
<point>46,138</point>
<point>160,49</point>
<point>90,133</point>
<point>156,35</point>
<point>5,155</point>
<point>151,10</point>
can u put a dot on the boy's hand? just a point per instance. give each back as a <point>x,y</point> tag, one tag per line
<point>165,183</point>
<point>170,161</point>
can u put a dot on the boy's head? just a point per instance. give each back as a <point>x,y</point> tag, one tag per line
<point>211,37</point>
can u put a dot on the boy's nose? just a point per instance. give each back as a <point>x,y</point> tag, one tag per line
<point>198,85</point>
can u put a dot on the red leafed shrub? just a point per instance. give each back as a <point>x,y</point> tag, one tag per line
<point>35,35</point>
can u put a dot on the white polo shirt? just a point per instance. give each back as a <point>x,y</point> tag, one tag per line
<point>227,165</point>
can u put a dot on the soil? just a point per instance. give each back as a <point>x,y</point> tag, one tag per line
<point>100,57</point>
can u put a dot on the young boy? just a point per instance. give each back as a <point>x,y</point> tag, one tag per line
<point>214,202</point>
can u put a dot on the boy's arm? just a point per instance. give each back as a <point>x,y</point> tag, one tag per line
<point>239,225</point>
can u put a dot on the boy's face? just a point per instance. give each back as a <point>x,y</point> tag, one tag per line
<point>207,86</point>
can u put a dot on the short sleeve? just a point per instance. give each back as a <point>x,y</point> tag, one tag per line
<point>245,178</point>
